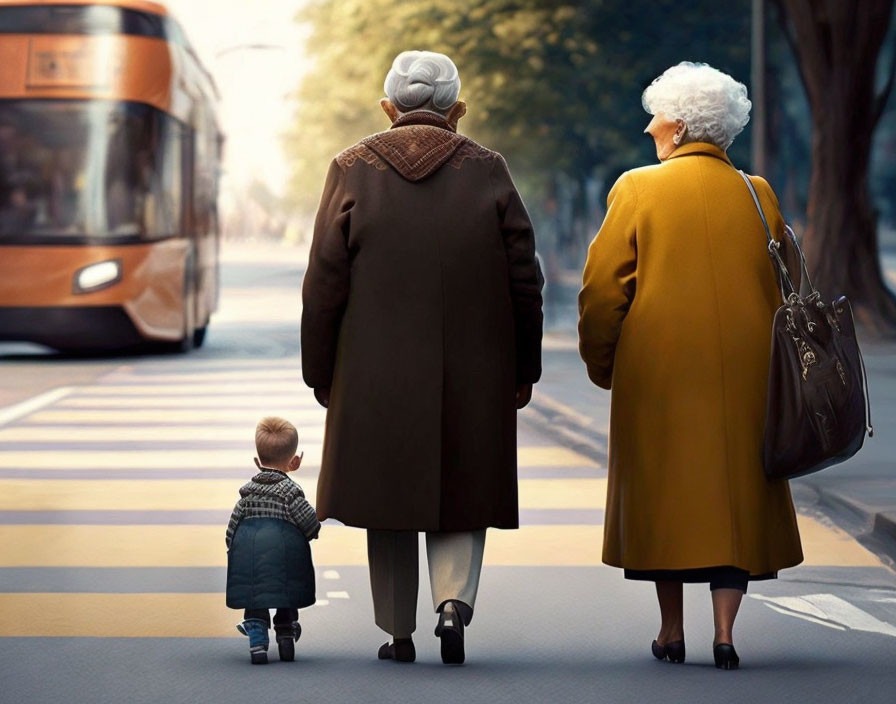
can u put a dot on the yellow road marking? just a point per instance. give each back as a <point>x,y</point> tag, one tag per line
<point>146,433</point>
<point>214,494</point>
<point>212,459</point>
<point>141,459</point>
<point>195,615</point>
<point>203,546</point>
<point>552,456</point>
<point>827,545</point>
<point>562,493</point>
<point>127,494</point>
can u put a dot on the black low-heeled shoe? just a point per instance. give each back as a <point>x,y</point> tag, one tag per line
<point>400,650</point>
<point>673,652</point>
<point>450,631</point>
<point>725,656</point>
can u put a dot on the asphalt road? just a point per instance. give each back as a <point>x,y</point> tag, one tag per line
<point>117,476</point>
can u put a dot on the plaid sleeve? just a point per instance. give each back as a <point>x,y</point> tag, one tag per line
<point>304,516</point>
<point>235,518</point>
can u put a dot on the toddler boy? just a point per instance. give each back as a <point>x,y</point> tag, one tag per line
<point>268,553</point>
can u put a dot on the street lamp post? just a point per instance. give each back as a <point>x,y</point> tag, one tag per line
<point>757,79</point>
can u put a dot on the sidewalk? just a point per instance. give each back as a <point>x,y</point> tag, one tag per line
<point>859,495</point>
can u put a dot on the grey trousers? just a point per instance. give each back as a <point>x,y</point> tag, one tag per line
<point>455,562</point>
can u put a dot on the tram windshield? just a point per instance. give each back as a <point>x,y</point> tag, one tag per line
<point>73,169</point>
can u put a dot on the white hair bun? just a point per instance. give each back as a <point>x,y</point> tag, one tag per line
<point>422,79</point>
<point>712,104</point>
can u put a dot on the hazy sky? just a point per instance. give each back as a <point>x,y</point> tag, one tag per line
<point>254,83</point>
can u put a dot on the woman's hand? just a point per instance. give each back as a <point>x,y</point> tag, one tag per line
<point>323,396</point>
<point>523,395</point>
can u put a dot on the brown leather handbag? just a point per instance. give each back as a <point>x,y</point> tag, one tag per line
<point>817,409</point>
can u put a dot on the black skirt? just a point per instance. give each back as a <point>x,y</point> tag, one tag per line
<point>722,577</point>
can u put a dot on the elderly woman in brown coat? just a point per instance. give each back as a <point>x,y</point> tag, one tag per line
<point>675,316</point>
<point>421,333</point>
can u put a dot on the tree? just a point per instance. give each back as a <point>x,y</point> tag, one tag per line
<point>837,44</point>
<point>555,85</point>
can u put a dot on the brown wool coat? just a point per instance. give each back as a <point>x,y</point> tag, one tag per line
<point>675,314</point>
<point>422,312</point>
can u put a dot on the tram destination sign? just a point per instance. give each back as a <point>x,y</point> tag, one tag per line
<point>72,62</point>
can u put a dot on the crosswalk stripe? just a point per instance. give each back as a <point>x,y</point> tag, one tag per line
<point>139,459</point>
<point>287,376</point>
<point>534,456</point>
<point>178,389</point>
<point>176,415</point>
<point>141,433</point>
<point>203,546</point>
<point>168,615</point>
<point>205,494</point>
<point>292,401</point>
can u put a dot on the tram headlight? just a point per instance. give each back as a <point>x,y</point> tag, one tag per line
<point>94,277</point>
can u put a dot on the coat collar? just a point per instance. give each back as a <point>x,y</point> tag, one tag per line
<point>268,475</point>
<point>423,117</point>
<point>418,144</point>
<point>704,148</point>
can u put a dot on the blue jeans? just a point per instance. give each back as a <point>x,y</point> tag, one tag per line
<point>282,619</point>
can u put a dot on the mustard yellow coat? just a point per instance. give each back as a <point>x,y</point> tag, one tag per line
<point>675,315</point>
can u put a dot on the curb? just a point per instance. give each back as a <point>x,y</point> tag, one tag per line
<point>566,425</point>
<point>876,530</point>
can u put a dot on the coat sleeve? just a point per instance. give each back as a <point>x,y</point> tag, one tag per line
<point>235,519</point>
<point>326,285</point>
<point>304,516</point>
<point>608,285</point>
<point>526,279</point>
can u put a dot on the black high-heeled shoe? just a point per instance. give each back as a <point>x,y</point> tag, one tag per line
<point>673,652</point>
<point>725,656</point>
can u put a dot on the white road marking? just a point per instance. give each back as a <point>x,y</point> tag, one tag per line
<point>331,574</point>
<point>23,408</point>
<point>338,595</point>
<point>321,602</point>
<point>810,619</point>
<point>830,609</point>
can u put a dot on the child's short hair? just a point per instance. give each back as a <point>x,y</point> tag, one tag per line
<point>276,440</point>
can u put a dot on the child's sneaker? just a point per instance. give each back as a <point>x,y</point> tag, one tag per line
<point>257,630</point>
<point>286,640</point>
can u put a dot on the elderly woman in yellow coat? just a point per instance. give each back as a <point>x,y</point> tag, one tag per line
<point>675,317</point>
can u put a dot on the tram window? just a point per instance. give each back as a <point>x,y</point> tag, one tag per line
<point>72,169</point>
<point>90,19</point>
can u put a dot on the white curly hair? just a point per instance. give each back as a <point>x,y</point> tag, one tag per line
<point>713,105</point>
<point>422,80</point>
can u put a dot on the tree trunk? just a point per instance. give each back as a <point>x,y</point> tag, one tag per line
<point>837,44</point>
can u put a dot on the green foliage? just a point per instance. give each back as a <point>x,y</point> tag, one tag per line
<point>555,86</point>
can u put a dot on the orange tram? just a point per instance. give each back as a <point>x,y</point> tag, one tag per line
<point>109,163</point>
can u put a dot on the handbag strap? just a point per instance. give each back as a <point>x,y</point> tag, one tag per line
<point>775,246</point>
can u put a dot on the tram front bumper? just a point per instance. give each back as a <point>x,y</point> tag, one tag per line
<point>69,328</point>
<point>69,297</point>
